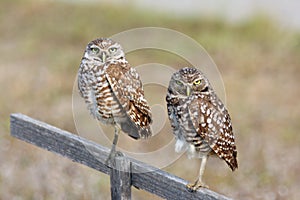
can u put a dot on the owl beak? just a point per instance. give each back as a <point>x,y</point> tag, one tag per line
<point>103,57</point>
<point>188,91</point>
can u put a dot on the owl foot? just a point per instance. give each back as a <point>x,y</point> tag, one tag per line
<point>192,187</point>
<point>110,161</point>
<point>119,154</point>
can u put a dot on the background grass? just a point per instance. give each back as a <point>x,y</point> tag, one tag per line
<point>41,47</point>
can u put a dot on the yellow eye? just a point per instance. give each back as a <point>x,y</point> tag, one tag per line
<point>179,83</point>
<point>197,82</point>
<point>95,50</point>
<point>113,49</point>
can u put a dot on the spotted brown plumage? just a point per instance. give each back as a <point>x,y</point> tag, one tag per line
<point>130,96</point>
<point>200,121</point>
<point>113,91</point>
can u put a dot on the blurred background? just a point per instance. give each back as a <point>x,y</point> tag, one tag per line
<point>256,46</point>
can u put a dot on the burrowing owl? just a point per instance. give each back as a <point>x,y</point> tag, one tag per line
<point>200,122</point>
<point>113,91</point>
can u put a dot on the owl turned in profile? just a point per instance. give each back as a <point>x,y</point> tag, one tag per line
<point>200,122</point>
<point>113,91</point>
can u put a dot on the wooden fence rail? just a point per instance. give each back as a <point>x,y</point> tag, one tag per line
<point>128,172</point>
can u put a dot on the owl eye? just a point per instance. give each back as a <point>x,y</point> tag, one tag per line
<point>112,50</point>
<point>197,82</point>
<point>95,50</point>
<point>179,83</point>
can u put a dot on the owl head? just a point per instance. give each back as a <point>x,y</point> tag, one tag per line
<point>104,50</point>
<point>188,81</point>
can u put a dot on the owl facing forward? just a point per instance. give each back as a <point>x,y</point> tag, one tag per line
<point>113,91</point>
<point>200,122</point>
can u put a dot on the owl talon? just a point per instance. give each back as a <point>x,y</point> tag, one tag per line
<point>110,161</point>
<point>193,187</point>
<point>119,154</point>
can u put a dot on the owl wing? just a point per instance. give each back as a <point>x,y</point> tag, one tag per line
<point>127,87</point>
<point>171,104</point>
<point>213,124</point>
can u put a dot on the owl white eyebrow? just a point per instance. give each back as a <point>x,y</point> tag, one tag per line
<point>94,46</point>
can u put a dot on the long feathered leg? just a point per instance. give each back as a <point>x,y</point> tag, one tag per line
<point>199,182</point>
<point>113,152</point>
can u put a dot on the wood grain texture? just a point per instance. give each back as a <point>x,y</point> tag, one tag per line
<point>120,179</point>
<point>78,149</point>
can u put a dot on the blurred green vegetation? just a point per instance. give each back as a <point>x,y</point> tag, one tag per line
<point>41,46</point>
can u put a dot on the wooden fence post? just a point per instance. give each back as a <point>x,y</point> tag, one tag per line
<point>120,179</point>
<point>127,172</point>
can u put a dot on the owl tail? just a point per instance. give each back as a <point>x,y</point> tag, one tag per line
<point>131,130</point>
<point>232,161</point>
<point>145,132</point>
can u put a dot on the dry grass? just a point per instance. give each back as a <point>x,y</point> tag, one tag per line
<point>41,47</point>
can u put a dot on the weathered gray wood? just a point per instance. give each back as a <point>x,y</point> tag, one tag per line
<point>59,141</point>
<point>80,150</point>
<point>166,185</point>
<point>120,179</point>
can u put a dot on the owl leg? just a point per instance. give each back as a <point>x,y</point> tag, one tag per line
<point>199,182</point>
<point>113,152</point>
